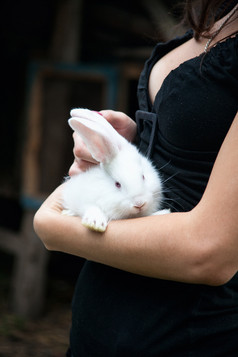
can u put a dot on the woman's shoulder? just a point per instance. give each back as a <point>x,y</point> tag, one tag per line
<point>224,54</point>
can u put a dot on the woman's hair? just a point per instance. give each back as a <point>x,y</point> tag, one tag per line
<point>201,15</point>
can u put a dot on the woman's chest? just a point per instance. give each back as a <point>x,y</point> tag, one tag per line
<point>171,61</point>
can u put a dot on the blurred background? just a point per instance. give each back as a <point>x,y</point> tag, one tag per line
<point>56,55</point>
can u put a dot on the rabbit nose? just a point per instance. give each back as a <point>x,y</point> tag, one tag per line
<point>139,204</point>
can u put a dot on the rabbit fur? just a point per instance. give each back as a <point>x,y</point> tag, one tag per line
<point>123,185</point>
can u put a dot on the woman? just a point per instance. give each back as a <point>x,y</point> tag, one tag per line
<point>167,285</point>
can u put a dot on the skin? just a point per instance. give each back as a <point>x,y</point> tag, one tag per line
<point>200,246</point>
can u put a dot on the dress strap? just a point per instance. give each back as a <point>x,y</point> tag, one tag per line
<point>150,121</point>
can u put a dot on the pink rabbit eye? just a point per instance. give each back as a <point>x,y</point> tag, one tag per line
<point>117,184</point>
<point>143,177</point>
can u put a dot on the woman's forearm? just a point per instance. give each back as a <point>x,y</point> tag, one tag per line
<point>164,247</point>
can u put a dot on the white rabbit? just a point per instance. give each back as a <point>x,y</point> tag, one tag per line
<point>123,185</point>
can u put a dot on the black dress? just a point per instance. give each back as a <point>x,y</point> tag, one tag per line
<point>116,313</point>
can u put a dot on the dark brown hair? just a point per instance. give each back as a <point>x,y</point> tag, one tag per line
<point>201,15</point>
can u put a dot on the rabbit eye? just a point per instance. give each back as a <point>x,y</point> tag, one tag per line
<point>143,177</point>
<point>117,184</point>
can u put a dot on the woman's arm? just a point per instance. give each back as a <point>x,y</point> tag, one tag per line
<point>200,246</point>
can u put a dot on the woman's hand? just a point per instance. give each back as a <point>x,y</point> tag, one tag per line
<point>121,122</point>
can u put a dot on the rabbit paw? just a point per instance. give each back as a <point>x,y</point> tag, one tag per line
<point>95,219</point>
<point>163,211</point>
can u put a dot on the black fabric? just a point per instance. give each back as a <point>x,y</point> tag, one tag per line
<point>116,313</point>
<point>194,109</point>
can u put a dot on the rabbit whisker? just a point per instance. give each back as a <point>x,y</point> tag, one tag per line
<point>166,164</point>
<point>169,178</point>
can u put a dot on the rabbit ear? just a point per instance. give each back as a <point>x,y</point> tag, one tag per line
<point>90,115</point>
<point>102,141</point>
